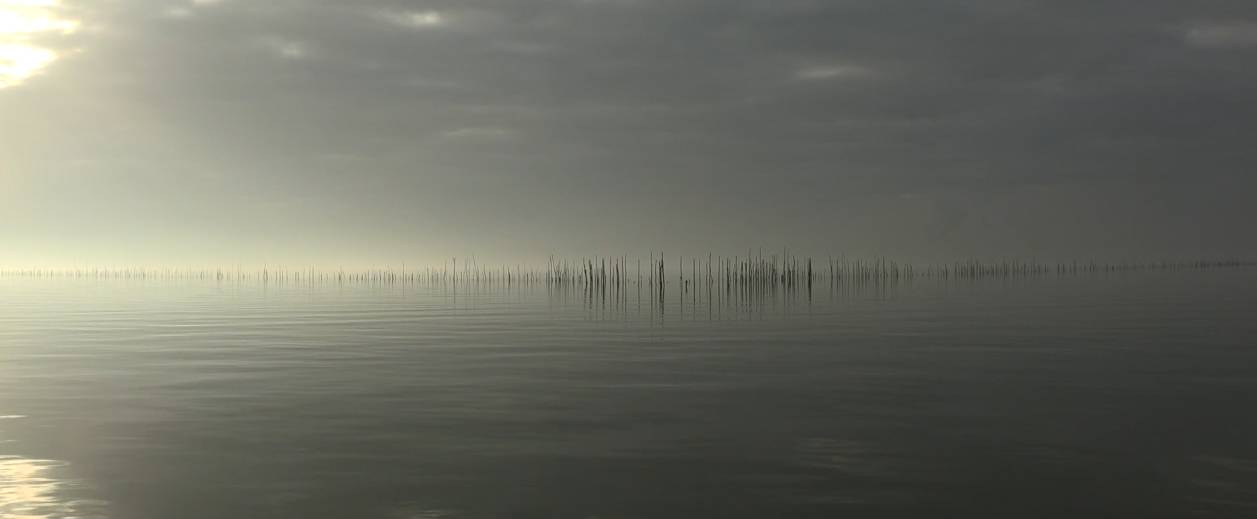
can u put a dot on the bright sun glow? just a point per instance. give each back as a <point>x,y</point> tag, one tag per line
<point>29,489</point>
<point>23,26</point>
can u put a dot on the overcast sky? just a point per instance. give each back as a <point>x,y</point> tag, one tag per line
<point>374,131</point>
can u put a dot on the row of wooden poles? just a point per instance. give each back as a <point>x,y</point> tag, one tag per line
<point>785,271</point>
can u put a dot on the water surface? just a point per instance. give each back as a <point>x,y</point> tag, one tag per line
<point>1121,395</point>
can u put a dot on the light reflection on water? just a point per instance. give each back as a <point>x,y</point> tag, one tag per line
<point>27,489</point>
<point>39,488</point>
<point>1124,397</point>
<point>34,489</point>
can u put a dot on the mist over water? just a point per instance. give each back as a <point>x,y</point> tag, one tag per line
<point>1123,394</point>
<point>328,259</point>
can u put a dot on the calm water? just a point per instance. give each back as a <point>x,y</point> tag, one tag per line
<point>1123,396</point>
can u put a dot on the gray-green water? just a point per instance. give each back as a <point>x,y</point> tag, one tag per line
<point>1110,396</point>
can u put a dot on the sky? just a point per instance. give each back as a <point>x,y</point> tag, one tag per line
<point>374,132</point>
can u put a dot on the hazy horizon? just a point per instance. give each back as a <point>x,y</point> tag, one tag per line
<point>999,180</point>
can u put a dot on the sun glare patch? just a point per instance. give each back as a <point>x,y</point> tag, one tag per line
<point>24,25</point>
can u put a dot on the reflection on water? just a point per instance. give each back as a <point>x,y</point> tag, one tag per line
<point>39,489</point>
<point>1122,396</point>
<point>33,489</point>
<point>27,488</point>
<point>24,27</point>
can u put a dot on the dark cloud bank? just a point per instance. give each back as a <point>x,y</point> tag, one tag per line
<point>379,131</point>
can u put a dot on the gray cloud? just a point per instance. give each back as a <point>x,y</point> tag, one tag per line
<point>1222,35</point>
<point>826,124</point>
